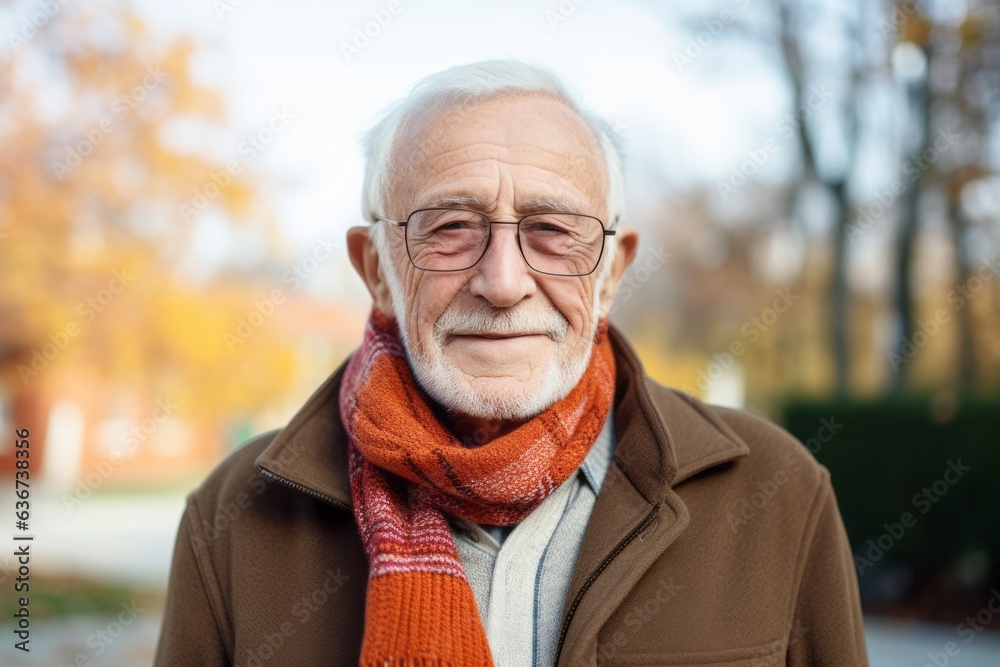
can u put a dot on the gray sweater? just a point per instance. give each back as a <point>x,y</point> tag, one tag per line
<point>520,574</point>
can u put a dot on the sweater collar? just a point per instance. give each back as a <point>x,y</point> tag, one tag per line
<point>310,453</point>
<point>595,466</point>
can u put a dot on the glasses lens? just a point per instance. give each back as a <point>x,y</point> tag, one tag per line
<point>446,239</point>
<point>562,243</point>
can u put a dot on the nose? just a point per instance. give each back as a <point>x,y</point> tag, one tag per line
<point>502,277</point>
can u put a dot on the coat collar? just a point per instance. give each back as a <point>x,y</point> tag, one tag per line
<point>311,451</point>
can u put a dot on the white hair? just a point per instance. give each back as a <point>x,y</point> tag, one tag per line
<point>467,84</point>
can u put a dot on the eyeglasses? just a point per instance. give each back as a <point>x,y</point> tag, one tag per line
<point>455,239</point>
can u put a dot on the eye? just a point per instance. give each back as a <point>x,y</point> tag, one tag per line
<point>545,226</point>
<point>435,221</point>
<point>453,225</point>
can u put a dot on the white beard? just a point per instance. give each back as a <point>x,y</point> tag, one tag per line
<point>449,387</point>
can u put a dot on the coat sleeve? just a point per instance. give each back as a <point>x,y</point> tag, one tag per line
<point>191,633</point>
<point>827,626</point>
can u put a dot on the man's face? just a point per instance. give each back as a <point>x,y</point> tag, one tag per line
<point>497,341</point>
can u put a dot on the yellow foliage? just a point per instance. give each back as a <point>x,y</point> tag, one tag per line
<point>915,28</point>
<point>91,233</point>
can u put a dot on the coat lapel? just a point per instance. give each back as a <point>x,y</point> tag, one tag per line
<point>310,453</point>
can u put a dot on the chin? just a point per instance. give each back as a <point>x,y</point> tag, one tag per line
<point>498,399</point>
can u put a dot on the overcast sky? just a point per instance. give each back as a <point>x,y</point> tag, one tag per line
<point>681,122</point>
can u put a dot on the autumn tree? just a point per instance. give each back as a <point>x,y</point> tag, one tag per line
<point>104,179</point>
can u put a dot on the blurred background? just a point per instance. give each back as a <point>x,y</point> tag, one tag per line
<point>815,182</point>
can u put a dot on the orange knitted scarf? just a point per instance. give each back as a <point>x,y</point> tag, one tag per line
<point>407,471</point>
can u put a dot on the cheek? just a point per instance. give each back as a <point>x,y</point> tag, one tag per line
<point>574,298</point>
<point>427,296</point>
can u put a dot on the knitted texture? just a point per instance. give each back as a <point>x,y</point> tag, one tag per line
<point>407,471</point>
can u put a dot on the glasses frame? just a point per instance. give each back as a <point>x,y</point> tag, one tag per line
<point>489,238</point>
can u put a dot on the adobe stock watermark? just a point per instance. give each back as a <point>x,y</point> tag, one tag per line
<point>636,619</point>
<point>60,340</point>
<point>779,656</point>
<point>230,512</point>
<point>752,330</point>
<point>164,409</point>
<point>482,435</point>
<point>223,7</point>
<point>750,506</point>
<point>713,29</point>
<point>418,153</point>
<point>264,309</point>
<point>303,610</point>
<point>924,501</point>
<point>248,150</point>
<point>33,22</point>
<point>120,109</point>
<point>102,639</point>
<point>927,329</point>
<point>912,169</point>
<point>969,629</point>
<point>563,11</point>
<point>785,128</point>
<point>365,34</point>
<point>899,13</point>
<point>638,275</point>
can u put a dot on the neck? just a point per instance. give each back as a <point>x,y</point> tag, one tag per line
<point>476,431</point>
<point>469,430</point>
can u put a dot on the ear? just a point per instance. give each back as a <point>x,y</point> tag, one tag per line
<point>627,239</point>
<point>364,257</point>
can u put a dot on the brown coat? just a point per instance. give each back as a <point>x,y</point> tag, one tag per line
<point>715,540</point>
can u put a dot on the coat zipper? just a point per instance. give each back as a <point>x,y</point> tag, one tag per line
<point>607,561</point>
<point>303,489</point>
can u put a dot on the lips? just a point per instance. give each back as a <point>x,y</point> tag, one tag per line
<point>498,336</point>
<point>517,335</point>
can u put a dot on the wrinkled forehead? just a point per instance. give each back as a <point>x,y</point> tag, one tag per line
<point>555,154</point>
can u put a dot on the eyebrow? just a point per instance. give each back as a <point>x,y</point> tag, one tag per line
<point>480,203</point>
<point>466,200</point>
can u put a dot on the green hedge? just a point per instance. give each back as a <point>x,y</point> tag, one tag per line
<point>892,457</point>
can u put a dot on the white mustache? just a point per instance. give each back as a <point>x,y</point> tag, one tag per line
<point>455,321</point>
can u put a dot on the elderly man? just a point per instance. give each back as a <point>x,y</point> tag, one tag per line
<point>491,479</point>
